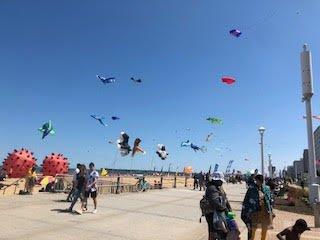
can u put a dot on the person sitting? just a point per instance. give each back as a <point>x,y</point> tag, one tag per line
<point>294,232</point>
<point>3,174</point>
<point>30,179</point>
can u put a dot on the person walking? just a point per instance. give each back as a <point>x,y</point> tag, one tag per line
<point>74,181</point>
<point>217,198</point>
<point>91,186</point>
<point>79,187</point>
<point>257,208</point>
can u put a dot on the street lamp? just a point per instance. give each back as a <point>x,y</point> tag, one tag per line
<point>261,131</point>
<point>307,93</point>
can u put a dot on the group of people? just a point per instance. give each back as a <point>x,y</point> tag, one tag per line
<point>84,186</point>
<point>257,211</point>
<point>200,180</point>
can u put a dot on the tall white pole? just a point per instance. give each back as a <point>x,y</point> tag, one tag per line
<point>307,91</point>
<point>262,154</point>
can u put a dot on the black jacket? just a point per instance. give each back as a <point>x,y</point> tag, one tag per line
<point>217,198</point>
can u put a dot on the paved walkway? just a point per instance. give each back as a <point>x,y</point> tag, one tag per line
<point>171,214</point>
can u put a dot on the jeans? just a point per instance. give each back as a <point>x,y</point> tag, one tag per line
<point>77,194</point>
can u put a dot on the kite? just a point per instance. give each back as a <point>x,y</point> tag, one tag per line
<point>317,117</point>
<point>228,80</point>
<point>235,32</point>
<point>115,118</point>
<point>246,159</point>
<point>161,151</point>
<point>99,119</point>
<point>106,80</point>
<point>209,136</point>
<point>136,147</point>
<point>196,148</point>
<point>123,144</point>
<point>186,144</point>
<point>47,129</point>
<point>110,142</point>
<point>214,120</point>
<point>136,80</point>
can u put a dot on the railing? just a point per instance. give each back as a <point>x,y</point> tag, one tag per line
<point>15,184</point>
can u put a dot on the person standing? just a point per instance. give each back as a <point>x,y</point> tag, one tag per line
<point>217,198</point>
<point>201,181</point>
<point>91,186</point>
<point>195,181</point>
<point>257,208</point>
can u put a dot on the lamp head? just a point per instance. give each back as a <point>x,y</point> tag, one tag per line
<point>261,130</point>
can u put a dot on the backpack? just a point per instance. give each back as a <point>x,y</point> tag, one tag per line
<point>205,207</point>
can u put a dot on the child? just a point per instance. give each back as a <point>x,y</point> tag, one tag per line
<point>234,233</point>
<point>294,232</point>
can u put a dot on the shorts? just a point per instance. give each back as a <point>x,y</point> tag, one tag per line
<point>92,194</point>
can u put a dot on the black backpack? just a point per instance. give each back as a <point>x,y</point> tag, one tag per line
<point>205,207</point>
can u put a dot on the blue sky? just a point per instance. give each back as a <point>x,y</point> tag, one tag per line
<point>50,52</point>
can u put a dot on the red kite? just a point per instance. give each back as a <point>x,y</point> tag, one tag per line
<point>228,80</point>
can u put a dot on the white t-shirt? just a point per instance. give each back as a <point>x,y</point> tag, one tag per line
<point>91,177</point>
<point>75,174</point>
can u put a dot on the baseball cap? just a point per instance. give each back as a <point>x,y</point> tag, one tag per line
<point>216,176</point>
<point>302,223</point>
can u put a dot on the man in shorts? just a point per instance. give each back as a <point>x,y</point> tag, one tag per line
<point>91,187</point>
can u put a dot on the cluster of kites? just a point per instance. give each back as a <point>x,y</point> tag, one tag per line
<point>108,80</point>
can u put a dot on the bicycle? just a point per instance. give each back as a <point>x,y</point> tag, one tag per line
<point>142,185</point>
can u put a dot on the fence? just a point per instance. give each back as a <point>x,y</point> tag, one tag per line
<point>125,183</point>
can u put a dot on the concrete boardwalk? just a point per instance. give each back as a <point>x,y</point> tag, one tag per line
<point>171,214</point>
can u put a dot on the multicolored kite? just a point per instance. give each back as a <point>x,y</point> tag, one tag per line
<point>161,151</point>
<point>123,144</point>
<point>47,129</point>
<point>136,147</point>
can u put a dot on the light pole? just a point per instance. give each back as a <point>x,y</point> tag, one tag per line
<point>261,131</point>
<point>307,92</point>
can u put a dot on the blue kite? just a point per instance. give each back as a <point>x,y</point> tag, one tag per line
<point>115,118</point>
<point>99,119</point>
<point>106,80</point>
<point>136,80</point>
<point>47,129</point>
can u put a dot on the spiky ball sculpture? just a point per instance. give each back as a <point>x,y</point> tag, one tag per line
<point>55,164</point>
<point>18,163</point>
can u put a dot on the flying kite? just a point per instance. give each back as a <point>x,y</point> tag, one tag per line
<point>315,117</point>
<point>214,120</point>
<point>115,118</point>
<point>235,32</point>
<point>228,80</point>
<point>47,129</point>
<point>136,80</point>
<point>123,144</point>
<point>99,119</point>
<point>186,143</point>
<point>209,136</point>
<point>161,151</point>
<point>106,80</point>
<point>136,147</point>
<point>110,142</point>
<point>196,148</point>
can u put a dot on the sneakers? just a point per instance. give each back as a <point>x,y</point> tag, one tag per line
<point>94,211</point>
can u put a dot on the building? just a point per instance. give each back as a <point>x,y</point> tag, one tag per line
<point>290,172</point>
<point>317,146</point>
<point>298,168</point>
<point>306,160</point>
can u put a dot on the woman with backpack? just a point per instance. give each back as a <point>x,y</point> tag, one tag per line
<point>257,208</point>
<point>219,207</point>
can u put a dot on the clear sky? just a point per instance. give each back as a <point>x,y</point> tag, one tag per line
<point>51,51</point>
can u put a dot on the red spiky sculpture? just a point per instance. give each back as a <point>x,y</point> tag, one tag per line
<point>18,163</point>
<point>55,164</point>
